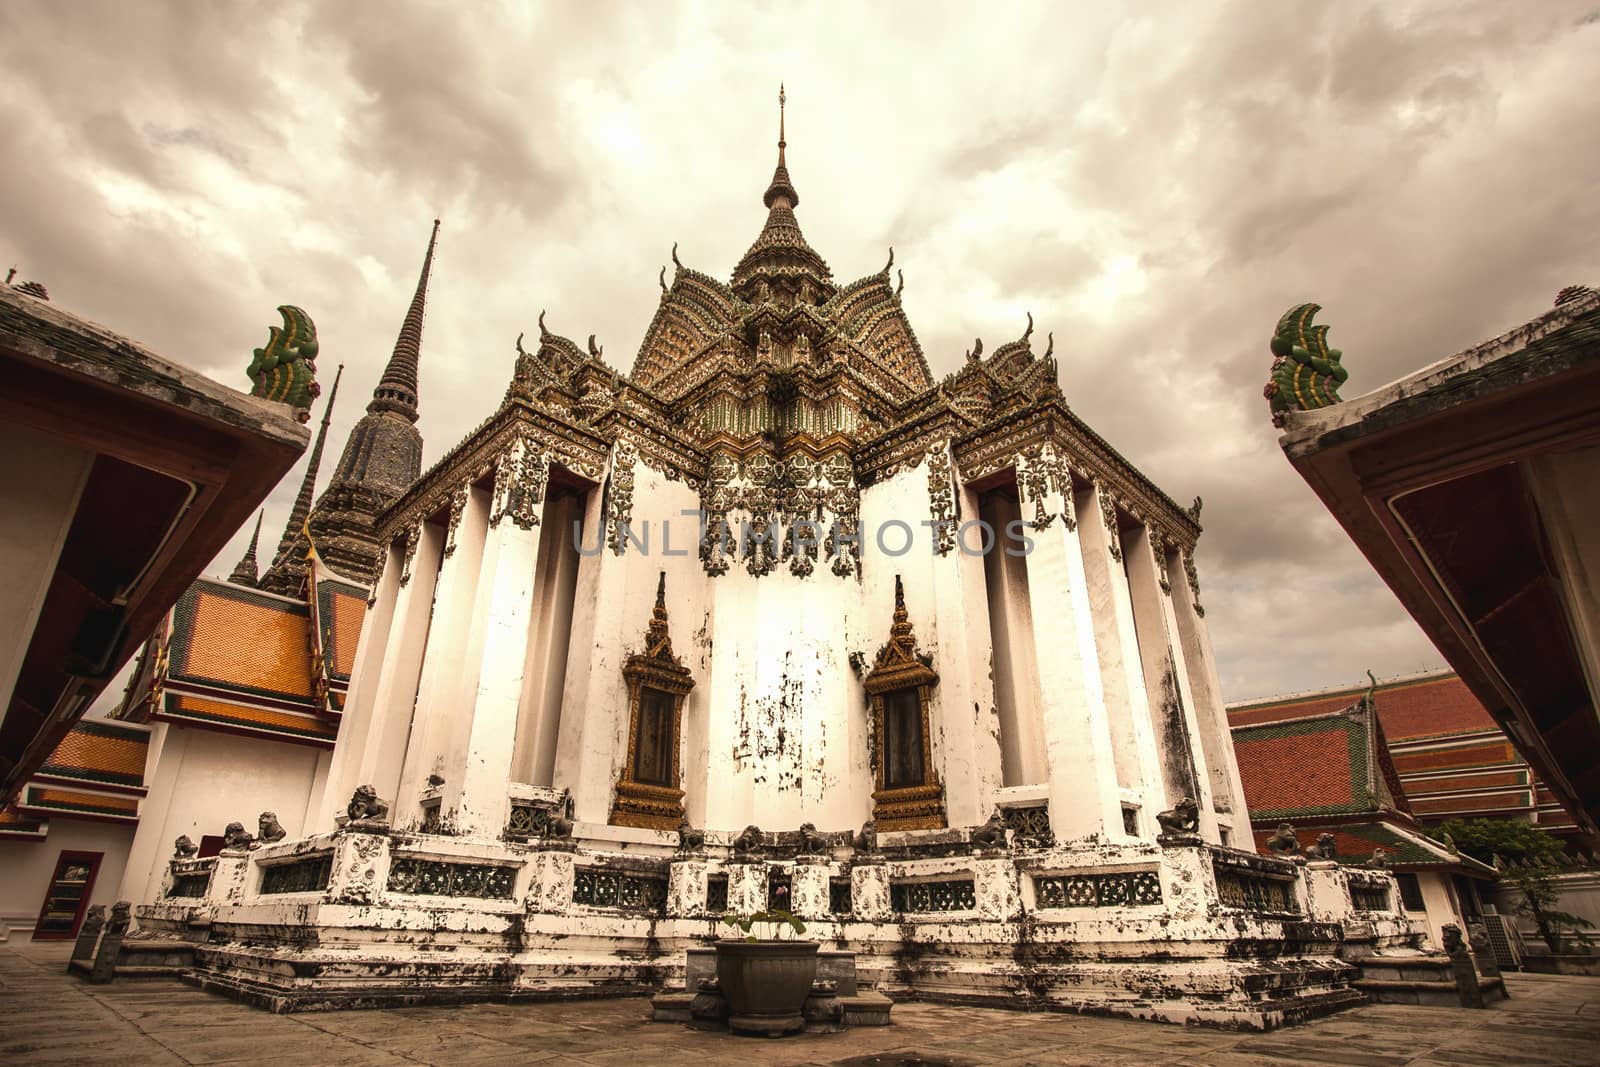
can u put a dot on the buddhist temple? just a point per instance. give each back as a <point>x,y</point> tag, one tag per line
<point>775,619</point>
<point>1329,776</point>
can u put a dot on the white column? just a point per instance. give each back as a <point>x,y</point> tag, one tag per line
<point>446,660</point>
<point>395,694</point>
<point>595,692</point>
<point>478,784</point>
<point>964,699</point>
<point>358,722</point>
<point>1014,667</point>
<point>1118,646</point>
<point>1227,788</point>
<point>1084,800</point>
<point>1166,682</point>
<point>38,499</point>
<point>549,639</point>
<point>152,845</point>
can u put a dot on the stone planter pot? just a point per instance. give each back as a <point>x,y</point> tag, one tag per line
<point>766,983</point>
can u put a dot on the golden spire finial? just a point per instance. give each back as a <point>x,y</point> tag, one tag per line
<point>781,99</point>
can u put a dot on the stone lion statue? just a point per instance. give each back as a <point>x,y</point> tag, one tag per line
<point>749,842</point>
<point>236,836</point>
<point>690,839</point>
<point>867,839</point>
<point>184,848</point>
<point>991,834</point>
<point>366,805</point>
<point>1324,849</point>
<point>1283,840</point>
<point>1182,818</point>
<point>268,829</point>
<point>812,843</point>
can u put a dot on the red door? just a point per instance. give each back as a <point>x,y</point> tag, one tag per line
<point>68,896</point>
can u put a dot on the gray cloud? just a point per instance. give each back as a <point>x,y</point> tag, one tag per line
<point>1155,188</point>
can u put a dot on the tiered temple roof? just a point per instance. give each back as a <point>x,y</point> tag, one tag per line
<point>96,772</point>
<point>1330,771</point>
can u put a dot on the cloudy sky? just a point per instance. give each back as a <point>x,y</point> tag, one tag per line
<point>1155,182</point>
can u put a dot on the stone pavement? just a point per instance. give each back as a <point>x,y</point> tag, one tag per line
<point>48,1018</point>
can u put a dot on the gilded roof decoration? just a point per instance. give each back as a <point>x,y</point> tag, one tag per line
<point>285,368</point>
<point>777,363</point>
<point>1306,373</point>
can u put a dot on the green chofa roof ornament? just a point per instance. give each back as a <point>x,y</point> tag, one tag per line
<point>285,368</point>
<point>1306,373</point>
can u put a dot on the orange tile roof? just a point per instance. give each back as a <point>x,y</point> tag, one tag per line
<point>285,725</point>
<point>343,610</point>
<point>37,799</point>
<point>100,751</point>
<point>1426,707</point>
<point>229,636</point>
<point>1314,766</point>
<point>17,826</point>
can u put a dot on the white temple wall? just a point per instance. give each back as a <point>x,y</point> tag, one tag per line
<point>1227,788</point>
<point>358,725</point>
<point>966,723</point>
<point>478,763</point>
<point>1013,667</point>
<point>614,599</point>
<point>1563,486</point>
<point>549,641</point>
<point>449,665</point>
<point>398,678</point>
<point>26,868</point>
<point>786,731</point>
<point>594,687</point>
<point>205,779</point>
<point>36,511</point>
<point>1166,683</point>
<point>1121,671</point>
<point>1085,800</point>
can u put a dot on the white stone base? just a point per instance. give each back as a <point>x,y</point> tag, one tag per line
<point>1061,928</point>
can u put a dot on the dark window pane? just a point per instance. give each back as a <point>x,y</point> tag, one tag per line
<point>902,739</point>
<point>1410,892</point>
<point>652,755</point>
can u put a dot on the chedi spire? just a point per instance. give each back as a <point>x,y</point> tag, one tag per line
<point>246,571</point>
<point>781,255</point>
<point>397,389</point>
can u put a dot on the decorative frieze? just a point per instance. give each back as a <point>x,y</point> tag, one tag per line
<point>1241,885</point>
<point>765,513</point>
<point>597,888</point>
<point>521,474</point>
<point>1108,512</point>
<point>1369,897</point>
<point>1044,488</point>
<point>1110,890</point>
<point>438,878</point>
<point>958,895</point>
<point>716,893</point>
<point>307,874</point>
<point>190,884</point>
<point>941,497</point>
<point>531,819</point>
<point>1194,582</point>
<point>458,508</point>
<point>1158,548</point>
<point>1029,825</point>
<point>408,551</point>
<point>619,499</point>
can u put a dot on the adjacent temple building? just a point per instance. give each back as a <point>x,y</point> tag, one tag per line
<point>776,619</point>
